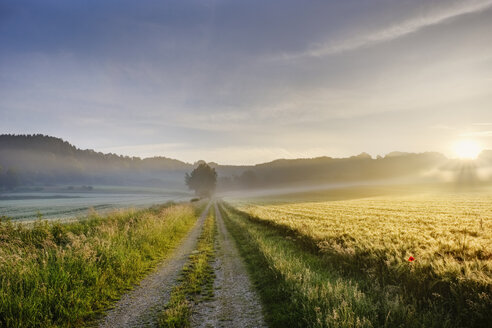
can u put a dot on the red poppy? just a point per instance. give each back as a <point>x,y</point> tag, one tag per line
<point>411,259</point>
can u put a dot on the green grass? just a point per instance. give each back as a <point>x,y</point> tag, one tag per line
<point>65,275</point>
<point>196,281</point>
<point>301,286</point>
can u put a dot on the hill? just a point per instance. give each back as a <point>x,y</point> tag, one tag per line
<point>45,160</point>
<point>324,170</point>
<point>39,160</point>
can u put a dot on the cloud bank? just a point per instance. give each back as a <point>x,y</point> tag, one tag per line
<point>247,81</point>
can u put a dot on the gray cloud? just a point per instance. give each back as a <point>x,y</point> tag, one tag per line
<point>388,33</point>
<point>199,76</point>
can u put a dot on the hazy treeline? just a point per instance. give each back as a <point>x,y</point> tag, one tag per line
<point>44,160</point>
<point>334,170</point>
<point>9,179</point>
<point>34,160</point>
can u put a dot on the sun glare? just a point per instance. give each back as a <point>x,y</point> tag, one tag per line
<point>467,149</point>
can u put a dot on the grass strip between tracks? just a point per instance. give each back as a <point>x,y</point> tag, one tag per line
<point>196,282</point>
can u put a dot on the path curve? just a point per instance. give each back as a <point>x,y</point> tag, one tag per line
<point>236,303</point>
<point>139,307</point>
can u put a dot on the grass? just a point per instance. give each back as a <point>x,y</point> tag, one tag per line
<point>349,259</point>
<point>295,288</point>
<point>65,275</point>
<point>196,281</point>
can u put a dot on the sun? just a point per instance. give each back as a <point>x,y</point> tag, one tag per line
<point>467,149</point>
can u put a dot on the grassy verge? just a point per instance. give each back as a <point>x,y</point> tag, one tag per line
<point>65,275</point>
<point>300,288</point>
<point>196,281</point>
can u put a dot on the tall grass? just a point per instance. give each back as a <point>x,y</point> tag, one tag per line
<point>296,289</point>
<point>449,236</point>
<point>325,285</point>
<point>64,275</point>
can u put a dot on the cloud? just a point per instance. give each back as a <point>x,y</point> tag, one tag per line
<point>246,155</point>
<point>442,127</point>
<point>393,32</point>
<point>144,150</point>
<point>477,134</point>
<point>193,78</point>
<point>224,155</point>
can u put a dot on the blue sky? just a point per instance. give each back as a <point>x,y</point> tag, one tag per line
<point>248,81</point>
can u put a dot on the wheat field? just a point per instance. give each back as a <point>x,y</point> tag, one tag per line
<point>433,251</point>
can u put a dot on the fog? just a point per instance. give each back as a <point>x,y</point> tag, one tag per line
<point>38,162</point>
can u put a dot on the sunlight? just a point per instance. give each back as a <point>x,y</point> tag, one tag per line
<point>467,149</point>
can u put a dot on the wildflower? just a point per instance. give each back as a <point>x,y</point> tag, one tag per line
<point>411,259</point>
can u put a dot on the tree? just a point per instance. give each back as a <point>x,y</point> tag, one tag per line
<point>202,180</point>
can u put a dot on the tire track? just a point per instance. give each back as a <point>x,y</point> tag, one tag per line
<point>235,304</point>
<point>139,307</point>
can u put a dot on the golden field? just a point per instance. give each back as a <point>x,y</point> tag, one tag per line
<point>430,250</point>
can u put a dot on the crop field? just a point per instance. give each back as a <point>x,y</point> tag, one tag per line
<point>418,259</point>
<point>63,204</point>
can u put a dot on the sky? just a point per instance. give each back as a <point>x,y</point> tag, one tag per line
<point>245,82</point>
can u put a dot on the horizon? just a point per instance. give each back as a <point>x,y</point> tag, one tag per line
<point>394,153</point>
<point>247,83</point>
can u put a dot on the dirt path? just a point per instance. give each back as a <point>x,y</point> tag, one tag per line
<point>139,307</point>
<point>235,303</point>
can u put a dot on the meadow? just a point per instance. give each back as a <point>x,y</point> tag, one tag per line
<point>63,203</point>
<point>394,260</point>
<point>65,275</point>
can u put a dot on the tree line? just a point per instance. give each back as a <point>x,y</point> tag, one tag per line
<point>9,179</point>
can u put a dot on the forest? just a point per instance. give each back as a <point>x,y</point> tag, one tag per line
<point>40,160</point>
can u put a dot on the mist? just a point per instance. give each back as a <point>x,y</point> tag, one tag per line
<point>37,161</point>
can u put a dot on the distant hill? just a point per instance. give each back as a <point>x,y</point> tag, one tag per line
<point>323,170</point>
<point>37,160</point>
<point>45,160</point>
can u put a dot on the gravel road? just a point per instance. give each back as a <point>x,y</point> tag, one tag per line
<point>235,303</point>
<point>139,307</point>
